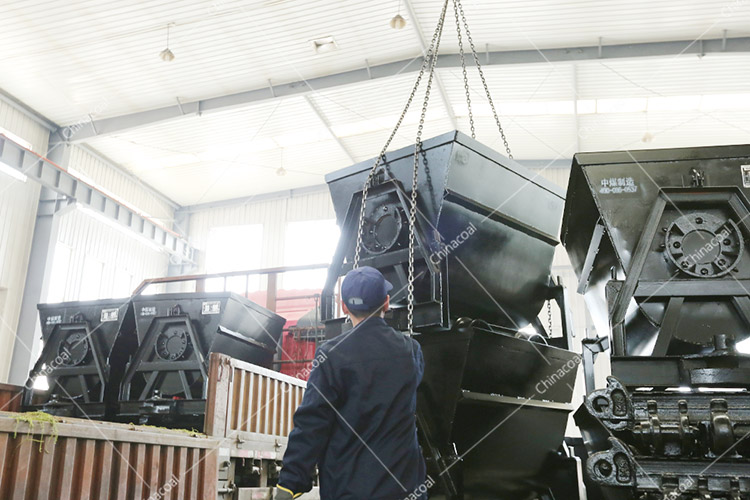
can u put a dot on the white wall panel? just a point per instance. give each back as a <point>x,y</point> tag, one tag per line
<point>91,241</point>
<point>18,204</point>
<point>125,188</point>
<point>273,213</point>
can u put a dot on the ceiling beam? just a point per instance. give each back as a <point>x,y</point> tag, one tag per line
<point>438,81</point>
<point>327,125</point>
<point>544,56</point>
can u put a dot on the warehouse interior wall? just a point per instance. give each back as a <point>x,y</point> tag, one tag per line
<point>91,257</point>
<point>272,213</point>
<point>18,205</point>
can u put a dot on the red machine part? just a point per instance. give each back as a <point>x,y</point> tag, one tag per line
<point>298,344</point>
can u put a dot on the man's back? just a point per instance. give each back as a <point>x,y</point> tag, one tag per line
<point>357,419</point>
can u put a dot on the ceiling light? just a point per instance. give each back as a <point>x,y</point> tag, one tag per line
<point>166,54</point>
<point>281,171</point>
<point>325,44</point>
<point>398,22</point>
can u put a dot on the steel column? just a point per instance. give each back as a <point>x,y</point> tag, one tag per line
<point>40,260</point>
<point>53,175</point>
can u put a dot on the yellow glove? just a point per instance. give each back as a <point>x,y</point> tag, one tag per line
<point>284,493</point>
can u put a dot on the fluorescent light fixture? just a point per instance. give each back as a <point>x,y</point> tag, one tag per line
<point>725,101</point>
<point>323,45</point>
<point>560,107</point>
<point>361,127</point>
<point>626,105</point>
<point>674,103</point>
<point>586,106</point>
<point>522,108</point>
<point>301,137</point>
<point>8,170</point>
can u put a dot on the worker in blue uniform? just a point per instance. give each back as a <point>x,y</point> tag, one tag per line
<point>357,419</point>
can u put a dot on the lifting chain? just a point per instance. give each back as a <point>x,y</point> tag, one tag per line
<point>415,172</point>
<point>549,317</point>
<point>428,64</point>
<point>481,76</point>
<point>463,68</point>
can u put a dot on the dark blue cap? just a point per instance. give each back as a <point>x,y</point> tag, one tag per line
<point>364,289</point>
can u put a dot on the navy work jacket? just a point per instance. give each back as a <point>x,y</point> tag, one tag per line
<point>357,419</point>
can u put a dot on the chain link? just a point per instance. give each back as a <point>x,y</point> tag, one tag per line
<point>463,68</point>
<point>429,61</point>
<point>431,51</point>
<point>481,75</point>
<point>415,171</point>
<point>549,317</point>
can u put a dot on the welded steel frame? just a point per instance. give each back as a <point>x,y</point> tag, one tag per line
<point>436,311</point>
<point>621,292</point>
<point>64,372</point>
<point>155,368</point>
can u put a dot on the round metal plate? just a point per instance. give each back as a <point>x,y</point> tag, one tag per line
<point>703,245</point>
<point>171,344</point>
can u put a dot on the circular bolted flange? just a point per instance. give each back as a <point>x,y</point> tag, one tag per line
<point>382,229</point>
<point>171,344</point>
<point>73,350</point>
<point>703,245</point>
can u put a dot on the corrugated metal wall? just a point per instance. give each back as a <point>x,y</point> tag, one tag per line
<point>123,186</point>
<point>90,240</point>
<point>18,204</point>
<point>273,213</point>
<point>123,260</point>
